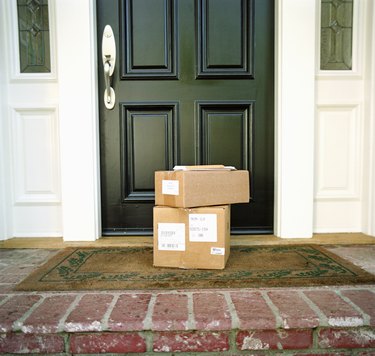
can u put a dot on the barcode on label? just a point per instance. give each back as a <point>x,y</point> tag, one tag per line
<point>171,236</point>
<point>167,233</point>
<point>170,246</point>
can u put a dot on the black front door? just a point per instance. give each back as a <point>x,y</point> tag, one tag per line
<point>194,85</point>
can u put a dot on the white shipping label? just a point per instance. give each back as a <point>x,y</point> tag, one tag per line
<point>203,227</point>
<point>170,187</point>
<point>218,251</point>
<point>171,237</point>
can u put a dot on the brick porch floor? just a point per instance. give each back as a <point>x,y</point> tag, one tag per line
<point>277,321</point>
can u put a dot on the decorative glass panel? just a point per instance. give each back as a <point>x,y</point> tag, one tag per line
<point>336,35</point>
<point>34,36</point>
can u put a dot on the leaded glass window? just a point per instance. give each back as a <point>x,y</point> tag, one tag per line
<point>34,36</point>
<point>336,34</point>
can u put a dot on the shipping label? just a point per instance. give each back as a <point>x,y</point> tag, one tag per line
<point>171,237</point>
<point>170,187</point>
<point>203,227</point>
<point>218,251</point>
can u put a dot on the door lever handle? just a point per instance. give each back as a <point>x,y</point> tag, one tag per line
<point>109,62</point>
<point>109,92</point>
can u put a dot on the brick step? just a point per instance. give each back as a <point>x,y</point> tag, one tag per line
<point>303,321</point>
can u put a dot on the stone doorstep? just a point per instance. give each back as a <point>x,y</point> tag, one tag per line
<point>189,321</point>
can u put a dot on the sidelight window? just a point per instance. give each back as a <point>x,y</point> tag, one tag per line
<point>336,40</point>
<point>34,36</point>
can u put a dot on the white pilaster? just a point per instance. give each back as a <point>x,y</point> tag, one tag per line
<point>5,217</point>
<point>294,117</point>
<point>369,176</point>
<point>78,112</point>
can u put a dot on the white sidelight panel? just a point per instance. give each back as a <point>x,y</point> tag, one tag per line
<point>37,220</point>
<point>35,172</point>
<point>339,168</point>
<point>30,186</point>
<point>336,216</point>
<point>338,153</point>
<point>36,157</point>
<point>340,187</point>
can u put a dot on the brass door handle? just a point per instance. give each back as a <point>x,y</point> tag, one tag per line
<point>109,62</point>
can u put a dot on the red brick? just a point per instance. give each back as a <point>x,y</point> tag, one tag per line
<point>129,312</point>
<point>191,342</point>
<point>253,311</point>
<point>325,354</point>
<point>170,312</point>
<point>346,338</point>
<point>274,340</point>
<point>31,343</point>
<point>15,308</point>
<point>338,312</point>
<point>293,310</point>
<point>46,317</point>
<point>364,299</point>
<point>211,312</point>
<point>88,314</point>
<point>106,343</point>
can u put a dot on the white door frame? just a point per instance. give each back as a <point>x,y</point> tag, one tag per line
<point>79,119</point>
<point>295,22</point>
<point>368,215</point>
<point>294,137</point>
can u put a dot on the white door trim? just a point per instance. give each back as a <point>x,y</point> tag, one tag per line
<point>294,117</point>
<point>368,216</point>
<point>5,216</point>
<point>79,123</point>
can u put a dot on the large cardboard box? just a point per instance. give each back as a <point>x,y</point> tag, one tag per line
<point>201,187</point>
<point>192,238</point>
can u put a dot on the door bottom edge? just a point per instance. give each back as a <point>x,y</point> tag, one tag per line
<point>149,232</point>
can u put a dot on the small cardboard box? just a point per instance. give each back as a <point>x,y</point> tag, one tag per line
<point>192,238</point>
<point>200,186</point>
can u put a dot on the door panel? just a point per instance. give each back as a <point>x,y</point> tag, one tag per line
<point>225,38</point>
<point>147,141</point>
<point>225,130</point>
<point>149,31</point>
<point>194,85</point>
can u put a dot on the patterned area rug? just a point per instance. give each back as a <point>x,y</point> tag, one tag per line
<point>248,267</point>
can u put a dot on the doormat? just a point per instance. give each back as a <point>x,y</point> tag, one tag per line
<point>76,269</point>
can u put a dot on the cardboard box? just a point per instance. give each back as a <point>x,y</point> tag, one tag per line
<point>192,238</point>
<point>201,187</point>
